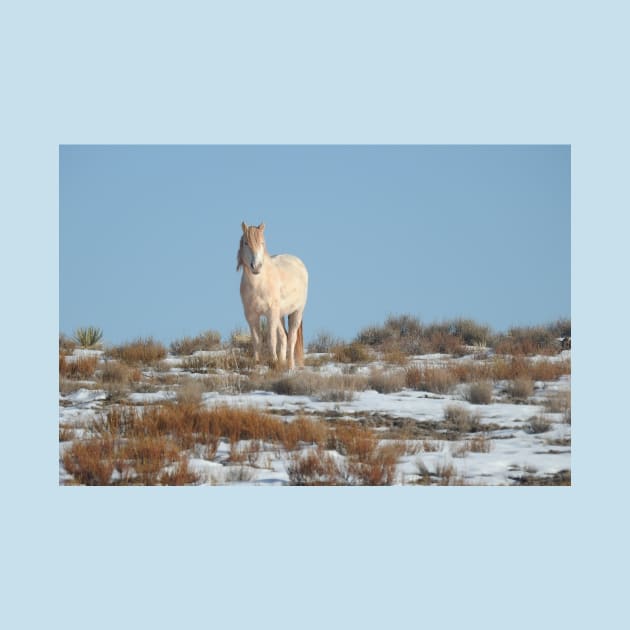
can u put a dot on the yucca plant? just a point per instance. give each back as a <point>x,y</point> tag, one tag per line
<point>88,337</point>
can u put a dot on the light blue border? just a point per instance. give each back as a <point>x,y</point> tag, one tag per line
<point>285,72</point>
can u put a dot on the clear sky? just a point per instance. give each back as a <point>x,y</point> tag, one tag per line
<point>148,234</point>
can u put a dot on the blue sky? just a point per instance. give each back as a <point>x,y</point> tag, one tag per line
<point>148,234</point>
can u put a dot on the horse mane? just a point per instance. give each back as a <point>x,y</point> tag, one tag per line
<point>254,239</point>
<point>239,261</point>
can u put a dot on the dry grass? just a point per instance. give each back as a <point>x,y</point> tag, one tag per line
<point>439,380</point>
<point>460,420</point>
<point>476,444</point>
<point>560,402</point>
<point>66,433</point>
<point>66,344</point>
<point>376,467</point>
<point>190,391</point>
<point>386,381</point>
<point>479,393</point>
<point>115,373</point>
<point>354,352</point>
<point>520,389</point>
<point>90,462</point>
<point>304,431</point>
<point>323,342</point>
<point>77,367</point>
<point>538,424</point>
<point>314,468</point>
<point>180,475</point>
<point>139,352</point>
<point>326,387</point>
<point>533,339</point>
<point>208,340</point>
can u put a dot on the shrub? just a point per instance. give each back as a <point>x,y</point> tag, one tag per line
<point>520,389</point>
<point>90,462</point>
<point>438,380</point>
<point>323,342</point>
<point>314,468</point>
<point>66,344</point>
<point>351,353</point>
<point>189,392</point>
<point>377,467</point>
<point>469,332</point>
<point>208,340</point>
<point>460,420</point>
<point>529,340</point>
<point>179,475</point>
<point>479,393</point>
<point>386,382</point>
<point>77,367</point>
<point>538,424</point>
<point>140,351</point>
<point>400,333</point>
<point>88,337</point>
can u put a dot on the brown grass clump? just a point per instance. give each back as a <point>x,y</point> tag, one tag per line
<point>439,380</point>
<point>386,381</point>
<point>395,356</point>
<point>560,402</point>
<point>477,444</point>
<point>479,393</point>
<point>117,376</point>
<point>66,344</point>
<point>323,342</point>
<point>520,389</point>
<point>530,340</point>
<point>208,340</point>
<point>180,475</point>
<point>190,391</point>
<point>77,367</point>
<point>303,431</point>
<point>460,420</point>
<point>142,458</point>
<point>139,352</point>
<point>329,387</point>
<point>314,468</point>
<point>538,424</point>
<point>90,462</point>
<point>354,352</point>
<point>378,466</point>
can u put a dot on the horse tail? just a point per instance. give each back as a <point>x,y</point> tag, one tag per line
<point>299,347</point>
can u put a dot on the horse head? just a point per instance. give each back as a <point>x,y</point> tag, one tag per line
<point>252,249</point>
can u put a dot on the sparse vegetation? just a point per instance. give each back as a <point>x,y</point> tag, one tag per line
<point>141,351</point>
<point>131,442</point>
<point>459,419</point>
<point>323,342</point>
<point>208,340</point>
<point>439,380</point>
<point>479,393</point>
<point>520,389</point>
<point>354,352</point>
<point>538,424</point>
<point>77,367</point>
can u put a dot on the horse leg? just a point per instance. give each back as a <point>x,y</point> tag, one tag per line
<point>273,320</point>
<point>295,319</point>
<point>254,327</point>
<point>282,337</point>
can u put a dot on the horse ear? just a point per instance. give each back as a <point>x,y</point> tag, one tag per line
<point>261,227</point>
<point>244,226</point>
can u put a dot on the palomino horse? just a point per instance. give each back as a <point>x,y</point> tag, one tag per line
<point>273,286</point>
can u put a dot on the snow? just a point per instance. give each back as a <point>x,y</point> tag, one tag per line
<point>514,451</point>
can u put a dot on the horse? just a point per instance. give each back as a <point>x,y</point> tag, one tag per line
<point>273,286</point>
